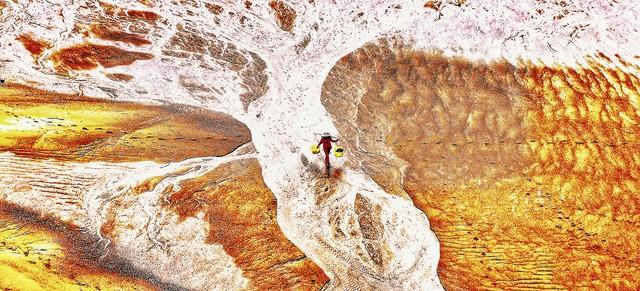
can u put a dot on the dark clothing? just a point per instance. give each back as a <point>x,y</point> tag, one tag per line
<point>326,146</point>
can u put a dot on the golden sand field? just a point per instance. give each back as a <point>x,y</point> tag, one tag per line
<point>529,173</point>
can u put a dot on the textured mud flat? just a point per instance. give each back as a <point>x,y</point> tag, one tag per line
<point>42,124</point>
<point>241,212</point>
<point>103,194</point>
<point>40,253</point>
<point>528,173</point>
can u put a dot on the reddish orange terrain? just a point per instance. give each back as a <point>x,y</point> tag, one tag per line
<point>241,212</point>
<point>529,174</point>
<point>88,56</point>
<point>285,15</point>
<point>34,46</point>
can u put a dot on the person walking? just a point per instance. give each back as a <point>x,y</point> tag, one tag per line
<point>326,141</point>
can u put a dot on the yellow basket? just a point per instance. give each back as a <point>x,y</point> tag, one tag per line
<point>315,149</point>
<point>338,152</point>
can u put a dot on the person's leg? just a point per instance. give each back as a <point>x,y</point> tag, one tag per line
<point>327,152</point>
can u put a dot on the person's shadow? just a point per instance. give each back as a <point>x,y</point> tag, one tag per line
<point>323,185</point>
